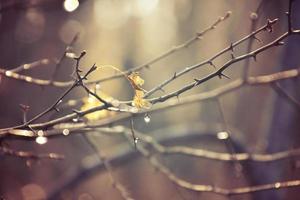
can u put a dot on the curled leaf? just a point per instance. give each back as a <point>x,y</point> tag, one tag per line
<point>135,80</point>
<point>138,99</point>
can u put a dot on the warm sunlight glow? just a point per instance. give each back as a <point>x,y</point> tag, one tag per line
<point>71,5</point>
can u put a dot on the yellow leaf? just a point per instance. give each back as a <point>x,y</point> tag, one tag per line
<point>139,101</point>
<point>136,80</point>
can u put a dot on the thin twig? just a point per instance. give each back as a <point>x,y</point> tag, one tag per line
<point>230,87</point>
<point>268,25</point>
<point>116,184</point>
<point>64,55</point>
<point>219,72</point>
<point>198,36</point>
<point>228,141</point>
<point>282,92</point>
<point>210,188</point>
<point>29,155</point>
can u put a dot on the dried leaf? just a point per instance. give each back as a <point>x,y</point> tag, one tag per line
<point>135,80</point>
<point>138,99</point>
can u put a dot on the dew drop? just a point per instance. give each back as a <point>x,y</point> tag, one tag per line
<point>66,132</point>
<point>8,73</point>
<point>98,86</point>
<point>75,120</point>
<point>29,163</point>
<point>40,133</point>
<point>136,140</point>
<point>223,135</point>
<point>147,118</point>
<point>41,140</point>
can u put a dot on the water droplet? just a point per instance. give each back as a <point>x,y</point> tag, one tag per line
<point>8,73</point>
<point>91,99</point>
<point>66,132</point>
<point>75,119</point>
<point>41,140</point>
<point>28,79</point>
<point>133,110</point>
<point>29,162</point>
<point>98,86</point>
<point>147,118</point>
<point>136,140</point>
<point>223,135</point>
<point>40,133</point>
<point>71,5</point>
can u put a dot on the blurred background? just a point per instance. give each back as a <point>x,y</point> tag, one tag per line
<point>127,34</point>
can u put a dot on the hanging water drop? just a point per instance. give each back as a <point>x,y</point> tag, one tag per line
<point>147,118</point>
<point>66,132</point>
<point>223,135</point>
<point>40,133</point>
<point>41,140</point>
<point>136,140</point>
<point>75,119</point>
<point>97,87</point>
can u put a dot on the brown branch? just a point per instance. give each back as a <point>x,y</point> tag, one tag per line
<point>282,92</point>
<point>77,82</point>
<point>210,188</point>
<point>230,87</point>
<point>116,184</point>
<point>29,66</point>
<point>254,17</point>
<point>29,155</point>
<point>165,150</point>
<point>289,15</point>
<point>228,141</point>
<point>36,81</point>
<point>220,71</point>
<point>206,154</point>
<point>269,24</point>
<point>198,36</point>
<point>63,57</point>
<point>43,82</point>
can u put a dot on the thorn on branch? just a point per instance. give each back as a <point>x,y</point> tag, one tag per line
<point>175,74</point>
<point>81,55</point>
<point>199,35</point>
<point>231,47</point>
<point>56,109</point>
<point>254,57</point>
<point>161,89</point>
<point>197,82</point>
<point>220,75</point>
<point>212,64</point>
<point>256,38</point>
<point>25,109</point>
<point>269,26</point>
<point>77,112</point>
<point>232,56</point>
